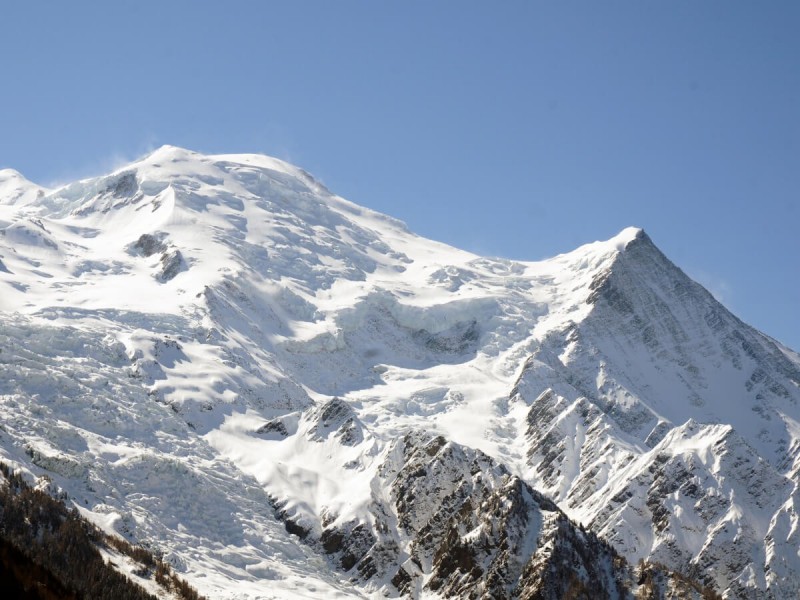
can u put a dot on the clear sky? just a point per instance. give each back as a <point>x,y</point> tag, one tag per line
<point>516,128</point>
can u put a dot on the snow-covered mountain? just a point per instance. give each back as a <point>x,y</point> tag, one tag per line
<point>289,396</point>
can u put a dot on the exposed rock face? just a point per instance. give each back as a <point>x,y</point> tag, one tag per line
<point>338,419</point>
<point>606,438</point>
<point>458,525</point>
<point>149,244</point>
<point>172,263</point>
<point>274,427</point>
<point>125,186</point>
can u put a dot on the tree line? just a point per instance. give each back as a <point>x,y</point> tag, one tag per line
<point>49,552</point>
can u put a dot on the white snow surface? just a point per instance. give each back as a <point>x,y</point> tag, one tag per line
<point>155,319</point>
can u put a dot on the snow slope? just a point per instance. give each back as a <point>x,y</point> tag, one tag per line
<point>216,356</point>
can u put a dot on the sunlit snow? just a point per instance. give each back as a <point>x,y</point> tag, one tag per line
<point>169,330</point>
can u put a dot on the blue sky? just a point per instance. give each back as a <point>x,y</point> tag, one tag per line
<point>517,129</point>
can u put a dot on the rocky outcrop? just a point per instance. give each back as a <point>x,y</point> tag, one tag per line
<point>458,525</point>
<point>611,439</point>
<point>336,418</point>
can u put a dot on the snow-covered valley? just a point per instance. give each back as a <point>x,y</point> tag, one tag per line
<point>292,396</point>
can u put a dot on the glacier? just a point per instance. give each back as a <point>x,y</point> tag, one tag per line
<point>279,390</point>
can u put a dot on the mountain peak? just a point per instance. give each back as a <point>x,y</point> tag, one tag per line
<point>8,174</point>
<point>170,151</point>
<point>633,248</point>
<point>607,248</point>
<point>220,333</point>
<point>628,235</point>
<point>16,188</point>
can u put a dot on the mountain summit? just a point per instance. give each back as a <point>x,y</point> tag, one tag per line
<point>289,395</point>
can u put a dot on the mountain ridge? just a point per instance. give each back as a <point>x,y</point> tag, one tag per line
<point>222,335</point>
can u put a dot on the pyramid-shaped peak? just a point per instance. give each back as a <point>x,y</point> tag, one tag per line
<point>628,235</point>
<point>636,247</point>
<point>631,241</point>
<point>613,245</point>
<point>628,244</point>
<point>639,261</point>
